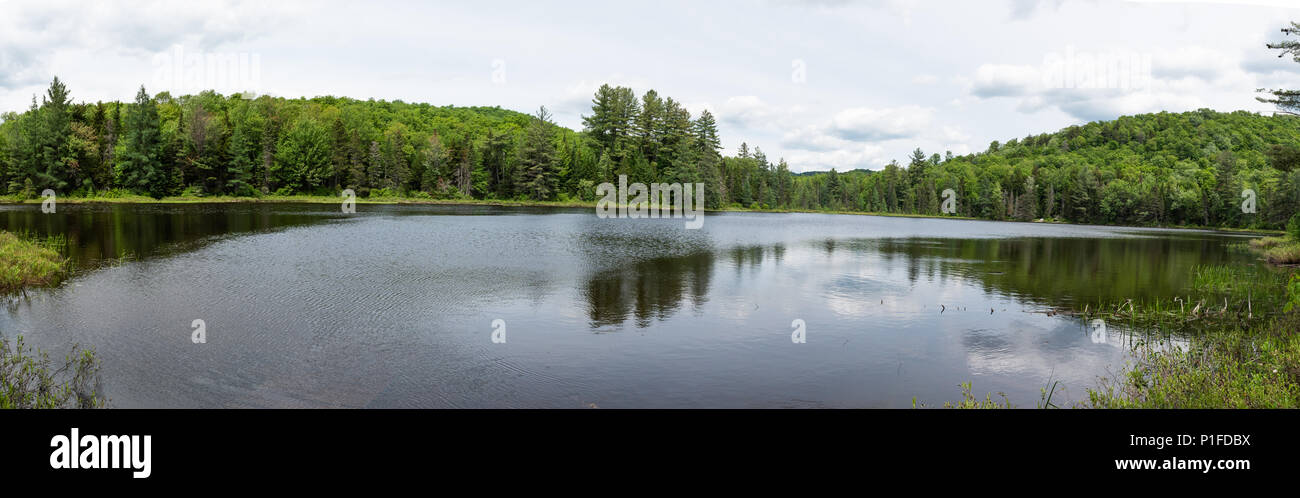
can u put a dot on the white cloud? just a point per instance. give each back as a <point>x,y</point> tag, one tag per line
<point>844,159</point>
<point>868,124</point>
<point>876,88</point>
<point>34,34</point>
<point>1103,85</point>
<point>1005,80</point>
<point>745,110</point>
<point>925,79</point>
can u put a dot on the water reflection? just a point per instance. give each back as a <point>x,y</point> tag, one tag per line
<point>1050,272</point>
<point>100,233</point>
<point>647,290</point>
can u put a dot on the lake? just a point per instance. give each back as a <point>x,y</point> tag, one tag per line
<point>394,306</point>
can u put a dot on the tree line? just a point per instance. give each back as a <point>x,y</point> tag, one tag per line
<point>1155,169</point>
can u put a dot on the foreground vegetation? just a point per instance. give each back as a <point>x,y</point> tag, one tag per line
<point>1239,341</point>
<point>29,379</point>
<point>1253,367</point>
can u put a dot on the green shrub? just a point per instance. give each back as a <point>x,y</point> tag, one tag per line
<point>28,379</point>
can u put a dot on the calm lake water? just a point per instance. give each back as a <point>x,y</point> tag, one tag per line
<point>393,306</point>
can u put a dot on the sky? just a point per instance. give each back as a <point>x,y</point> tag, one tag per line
<point>824,84</point>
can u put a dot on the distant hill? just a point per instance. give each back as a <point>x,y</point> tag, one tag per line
<point>1165,168</point>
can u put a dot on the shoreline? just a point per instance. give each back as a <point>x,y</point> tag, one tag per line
<point>316,199</point>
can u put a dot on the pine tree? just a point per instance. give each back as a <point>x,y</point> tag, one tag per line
<point>1287,101</point>
<point>614,112</point>
<point>536,159</point>
<point>56,155</point>
<point>706,134</point>
<point>140,168</point>
<point>649,126</point>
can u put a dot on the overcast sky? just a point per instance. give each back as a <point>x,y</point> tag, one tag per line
<point>831,83</point>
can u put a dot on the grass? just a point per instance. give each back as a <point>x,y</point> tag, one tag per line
<point>1284,254</point>
<point>1239,368</point>
<point>1277,250</point>
<point>1243,343</point>
<point>29,379</point>
<point>1241,326</point>
<point>1243,363</point>
<point>27,262</point>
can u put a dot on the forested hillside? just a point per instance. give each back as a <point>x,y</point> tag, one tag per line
<point>1153,169</point>
<point>1156,169</point>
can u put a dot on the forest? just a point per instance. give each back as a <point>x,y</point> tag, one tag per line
<point>1164,169</point>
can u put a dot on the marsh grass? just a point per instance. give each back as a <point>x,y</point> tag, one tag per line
<point>1286,254</point>
<point>26,261</point>
<point>1238,368</point>
<point>1241,348</point>
<point>1219,297</point>
<point>1277,250</point>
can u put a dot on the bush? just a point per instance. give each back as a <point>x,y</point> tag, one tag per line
<point>28,379</point>
<point>380,193</point>
<point>1293,227</point>
<point>586,190</point>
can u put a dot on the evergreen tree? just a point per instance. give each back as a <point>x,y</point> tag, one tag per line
<point>1287,101</point>
<point>536,158</point>
<point>54,135</point>
<point>140,167</point>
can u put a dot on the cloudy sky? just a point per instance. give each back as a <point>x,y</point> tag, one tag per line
<point>829,83</point>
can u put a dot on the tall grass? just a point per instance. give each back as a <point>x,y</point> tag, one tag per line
<point>28,261</point>
<point>1243,348</point>
<point>1239,368</point>
<point>1241,324</point>
<point>1285,254</point>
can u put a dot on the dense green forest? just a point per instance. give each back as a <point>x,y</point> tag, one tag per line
<point>1154,169</point>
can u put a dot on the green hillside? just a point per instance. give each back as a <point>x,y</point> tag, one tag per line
<point>1154,169</point>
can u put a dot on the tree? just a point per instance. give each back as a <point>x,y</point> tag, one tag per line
<point>1287,101</point>
<point>140,167</point>
<point>537,158</point>
<point>613,114</point>
<point>245,150</point>
<point>434,162</point>
<point>496,149</point>
<point>649,126</point>
<point>54,134</point>
<point>706,134</point>
<point>303,157</point>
